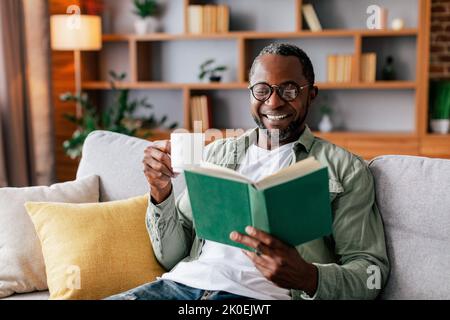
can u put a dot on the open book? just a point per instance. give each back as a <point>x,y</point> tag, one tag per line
<point>293,204</point>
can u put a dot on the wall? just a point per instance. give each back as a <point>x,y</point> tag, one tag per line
<point>63,74</point>
<point>440,40</point>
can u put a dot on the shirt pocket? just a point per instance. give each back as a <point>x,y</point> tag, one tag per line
<point>335,187</point>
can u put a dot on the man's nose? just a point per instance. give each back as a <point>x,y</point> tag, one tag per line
<point>274,100</point>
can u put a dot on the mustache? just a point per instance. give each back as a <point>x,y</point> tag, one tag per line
<point>283,134</point>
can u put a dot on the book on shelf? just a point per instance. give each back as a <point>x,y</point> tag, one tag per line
<point>195,107</point>
<point>293,204</point>
<point>193,110</point>
<point>205,19</point>
<point>200,107</point>
<point>205,103</point>
<point>223,18</point>
<point>348,68</point>
<point>311,18</point>
<point>195,19</point>
<point>213,21</point>
<point>368,67</point>
<point>331,67</point>
<point>339,68</point>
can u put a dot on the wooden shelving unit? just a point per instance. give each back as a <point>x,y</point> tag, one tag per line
<point>382,85</point>
<point>435,145</point>
<point>249,35</point>
<point>366,144</point>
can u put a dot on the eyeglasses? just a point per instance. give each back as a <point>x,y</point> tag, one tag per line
<point>288,91</point>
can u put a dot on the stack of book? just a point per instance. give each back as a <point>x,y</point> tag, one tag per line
<point>340,68</point>
<point>201,111</point>
<point>368,67</point>
<point>208,19</point>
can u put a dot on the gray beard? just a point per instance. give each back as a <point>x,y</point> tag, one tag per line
<point>284,134</point>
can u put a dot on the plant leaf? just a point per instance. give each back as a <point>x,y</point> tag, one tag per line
<point>221,68</point>
<point>207,63</point>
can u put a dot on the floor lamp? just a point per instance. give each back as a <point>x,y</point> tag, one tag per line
<point>76,33</point>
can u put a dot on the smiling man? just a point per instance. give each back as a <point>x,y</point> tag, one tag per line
<point>344,265</point>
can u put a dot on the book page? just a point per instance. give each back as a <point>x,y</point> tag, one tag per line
<point>220,172</point>
<point>299,169</point>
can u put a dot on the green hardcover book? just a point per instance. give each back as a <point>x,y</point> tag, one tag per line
<point>293,205</point>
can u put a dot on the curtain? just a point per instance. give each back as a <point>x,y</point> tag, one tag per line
<point>3,180</point>
<point>37,30</point>
<point>26,142</point>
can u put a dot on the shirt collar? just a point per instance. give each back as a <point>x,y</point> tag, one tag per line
<point>306,139</point>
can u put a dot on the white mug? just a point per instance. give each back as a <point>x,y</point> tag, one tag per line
<point>186,150</point>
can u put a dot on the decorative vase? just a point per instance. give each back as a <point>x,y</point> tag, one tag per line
<point>141,26</point>
<point>215,78</point>
<point>153,24</point>
<point>440,126</point>
<point>325,124</point>
<point>397,24</point>
<point>388,73</point>
<point>146,25</point>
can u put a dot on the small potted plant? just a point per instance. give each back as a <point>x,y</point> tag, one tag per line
<point>146,11</point>
<point>208,69</point>
<point>440,107</point>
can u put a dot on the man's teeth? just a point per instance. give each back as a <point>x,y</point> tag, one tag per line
<point>280,117</point>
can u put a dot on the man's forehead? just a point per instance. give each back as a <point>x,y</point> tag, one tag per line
<point>279,67</point>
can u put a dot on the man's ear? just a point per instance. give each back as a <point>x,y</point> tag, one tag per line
<point>313,93</point>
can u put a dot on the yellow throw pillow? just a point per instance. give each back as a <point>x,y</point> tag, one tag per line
<point>93,251</point>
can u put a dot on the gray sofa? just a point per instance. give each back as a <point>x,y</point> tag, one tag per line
<point>413,195</point>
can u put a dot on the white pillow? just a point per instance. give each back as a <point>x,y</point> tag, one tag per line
<point>22,267</point>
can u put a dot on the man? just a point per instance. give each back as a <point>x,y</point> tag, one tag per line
<point>349,264</point>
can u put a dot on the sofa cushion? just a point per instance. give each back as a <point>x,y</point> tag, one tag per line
<point>93,251</point>
<point>22,266</point>
<point>413,195</point>
<point>117,160</point>
<point>37,295</point>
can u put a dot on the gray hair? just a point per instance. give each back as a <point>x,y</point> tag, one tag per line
<point>287,50</point>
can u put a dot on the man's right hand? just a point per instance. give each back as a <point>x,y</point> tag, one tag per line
<point>158,170</point>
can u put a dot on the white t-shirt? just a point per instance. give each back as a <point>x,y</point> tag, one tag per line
<point>226,268</point>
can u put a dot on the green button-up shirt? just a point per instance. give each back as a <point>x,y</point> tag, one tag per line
<point>352,262</point>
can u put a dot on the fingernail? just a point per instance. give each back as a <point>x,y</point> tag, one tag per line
<point>250,230</point>
<point>233,235</point>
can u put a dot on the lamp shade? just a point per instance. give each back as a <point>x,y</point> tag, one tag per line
<point>71,32</point>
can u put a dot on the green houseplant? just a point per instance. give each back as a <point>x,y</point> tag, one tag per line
<point>440,106</point>
<point>208,69</point>
<point>146,10</point>
<point>118,117</point>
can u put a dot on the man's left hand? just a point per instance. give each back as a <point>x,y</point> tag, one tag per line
<point>278,262</point>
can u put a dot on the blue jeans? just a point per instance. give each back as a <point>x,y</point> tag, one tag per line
<point>170,290</point>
